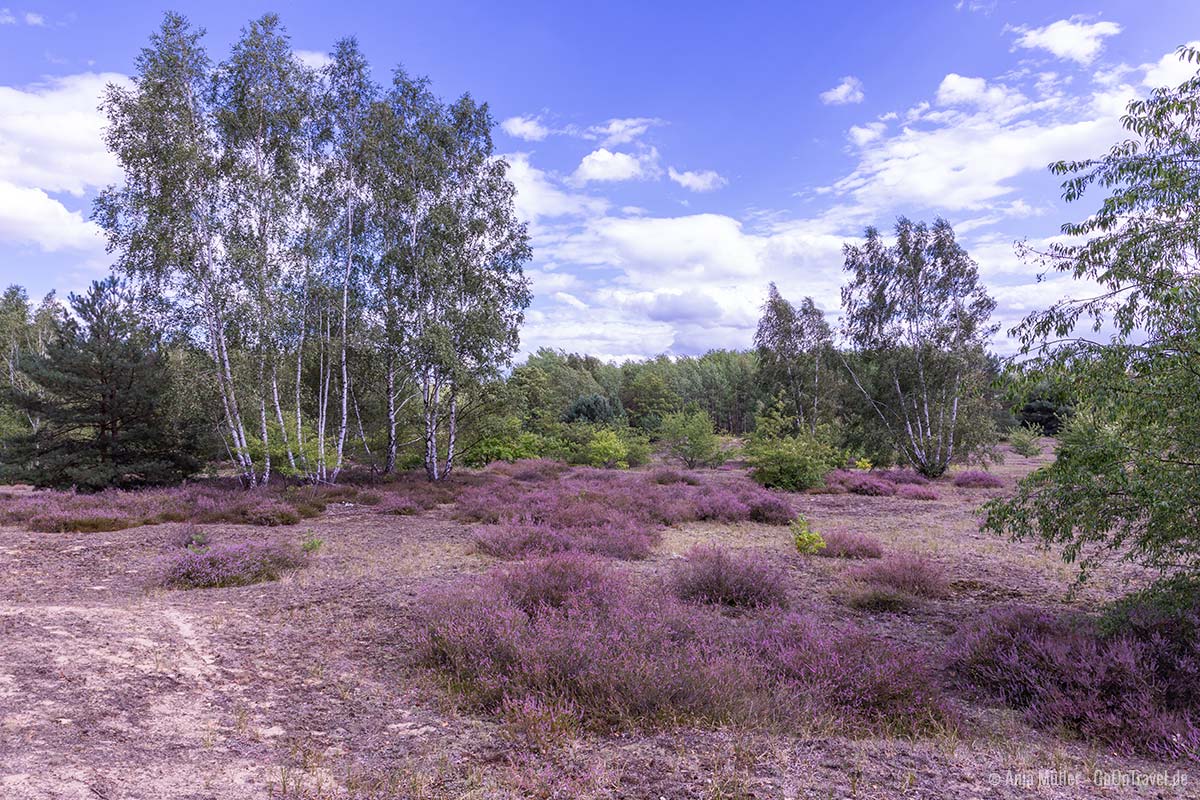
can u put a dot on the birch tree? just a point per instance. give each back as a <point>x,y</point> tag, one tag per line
<point>167,220</point>
<point>794,347</point>
<point>917,316</point>
<point>261,101</point>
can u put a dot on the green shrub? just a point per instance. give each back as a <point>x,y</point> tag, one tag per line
<point>508,448</point>
<point>689,437</point>
<point>637,447</point>
<point>607,449</point>
<point>807,541</point>
<point>1025,440</point>
<point>793,462</point>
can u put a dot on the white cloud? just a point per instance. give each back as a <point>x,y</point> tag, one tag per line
<point>30,216</point>
<point>51,142</point>
<point>571,300</point>
<point>1074,39</point>
<point>697,181</point>
<point>314,59</point>
<point>865,134</point>
<point>850,90</point>
<point>6,17</point>
<point>1169,70</point>
<point>34,19</point>
<point>538,197</point>
<point>605,165</point>
<point>621,131</point>
<point>956,90</point>
<point>530,129</point>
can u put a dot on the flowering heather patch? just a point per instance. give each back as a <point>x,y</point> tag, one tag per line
<point>914,575</point>
<point>603,511</point>
<point>625,663</point>
<point>904,475</point>
<point>879,599</point>
<point>557,579</point>
<point>711,574</point>
<point>850,680</point>
<point>114,509</point>
<point>864,483</point>
<point>913,491</point>
<point>665,477</point>
<point>839,544</point>
<point>977,479</point>
<point>1134,690</point>
<point>619,659</point>
<point>229,565</point>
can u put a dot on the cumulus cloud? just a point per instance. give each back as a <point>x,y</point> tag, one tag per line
<point>1074,39</point>
<point>606,166</point>
<point>51,143</point>
<point>30,216</point>
<point>538,197</point>
<point>530,129</point>
<point>34,19</point>
<point>697,181</point>
<point>850,90</point>
<point>621,131</point>
<point>6,17</point>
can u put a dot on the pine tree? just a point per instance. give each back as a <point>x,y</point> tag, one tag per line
<point>100,390</point>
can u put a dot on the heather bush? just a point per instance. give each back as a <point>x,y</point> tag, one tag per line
<point>977,479</point>
<point>904,475</point>
<point>849,680</point>
<point>229,565</point>
<point>864,483</point>
<point>909,491</point>
<point>555,580</point>
<point>605,512</point>
<point>915,575</point>
<point>1133,690</point>
<point>626,663</point>
<point>712,574</point>
<point>879,599</point>
<point>618,659</point>
<point>191,536</point>
<point>839,544</point>
<point>666,477</point>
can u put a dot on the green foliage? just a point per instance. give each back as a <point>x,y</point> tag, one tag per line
<point>794,347</point>
<point>607,449</point>
<point>689,437</point>
<point>917,318</point>
<point>863,463</point>
<point>1024,440</point>
<point>508,447</point>
<point>99,393</point>
<point>1126,482</point>
<point>312,543</point>
<point>807,541</point>
<point>593,408</point>
<point>793,463</point>
<point>647,398</point>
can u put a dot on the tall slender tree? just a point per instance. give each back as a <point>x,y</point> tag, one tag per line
<point>917,317</point>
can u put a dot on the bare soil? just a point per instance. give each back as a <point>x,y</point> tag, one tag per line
<point>115,689</point>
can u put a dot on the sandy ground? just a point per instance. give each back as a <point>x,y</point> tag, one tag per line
<point>111,688</point>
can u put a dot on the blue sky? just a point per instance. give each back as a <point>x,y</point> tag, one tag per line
<point>671,158</point>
